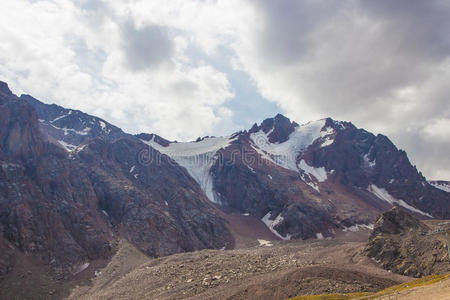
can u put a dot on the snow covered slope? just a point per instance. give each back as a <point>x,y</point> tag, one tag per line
<point>442,185</point>
<point>384,195</point>
<point>197,157</point>
<point>287,153</point>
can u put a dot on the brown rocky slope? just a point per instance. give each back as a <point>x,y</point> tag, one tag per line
<point>400,243</point>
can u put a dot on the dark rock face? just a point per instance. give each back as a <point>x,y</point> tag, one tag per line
<point>19,137</point>
<point>399,242</point>
<point>67,207</point>
<point>4,89</point>
<point>279,127</point>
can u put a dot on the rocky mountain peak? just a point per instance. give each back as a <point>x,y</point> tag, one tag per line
<point>69,128</point>
<point>5,89</point>
<point>278,128</point>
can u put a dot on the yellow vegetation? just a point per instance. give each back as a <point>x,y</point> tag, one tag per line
<point>424,281</point>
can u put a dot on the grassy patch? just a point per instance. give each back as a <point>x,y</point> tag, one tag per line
<point>332,296</point>
<point>424,281</point>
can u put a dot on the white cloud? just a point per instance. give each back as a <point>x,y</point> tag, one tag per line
<point>438,129</point>
<point>384,65</point>
<point>109,61</point>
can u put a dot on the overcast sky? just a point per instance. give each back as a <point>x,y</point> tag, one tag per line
<point>185,69</point>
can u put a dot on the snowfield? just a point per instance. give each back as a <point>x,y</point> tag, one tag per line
<point>442,186</point>
<point>357,227</point>
<point>197,158</point>
<point>384,195</point>
<point>272,223</point>
<point>319,173</point>
<point>67,146</point>
<point>285,154</point>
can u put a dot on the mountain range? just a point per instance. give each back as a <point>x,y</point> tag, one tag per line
<point>72,184</point>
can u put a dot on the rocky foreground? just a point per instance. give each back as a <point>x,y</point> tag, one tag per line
<point>279,270</point>
<point>275,270</point>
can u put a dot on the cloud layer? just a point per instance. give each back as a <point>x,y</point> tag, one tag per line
<point>171,67</point>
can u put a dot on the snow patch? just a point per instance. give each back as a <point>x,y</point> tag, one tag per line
<point>67,146</point>
<point>270,176</point>
<point>358,227</point>
<point>58,118</point>
<point>319,236</point>
<point>263,154</point>
<point>246,214</point>
<point>308,181</point>
<point>326,134</point>
<point>5,166</point>
<point>272,223</point>
<point>326,131</point>
<point>285,154</point>
<point>328,141</point>
<point>66,130</point>
<point>368,162</point>
<point>81,268</point>
<point>265,243</point>
<point>319,173</point>
<point>196,157</point>
<point>442,186</point>
<point>102,125</point>
<point>384,195</point>
<point>132,169</point>
<point>251,169</point>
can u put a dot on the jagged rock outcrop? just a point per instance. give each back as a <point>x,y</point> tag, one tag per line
<point>400,243</point>
<point>278,128</point>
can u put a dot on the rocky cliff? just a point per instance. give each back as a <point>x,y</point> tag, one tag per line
<point>401,243</point>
